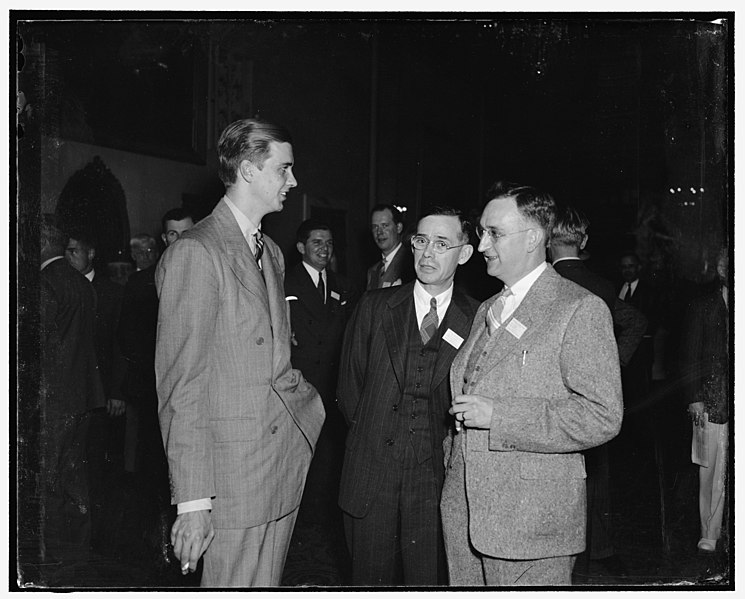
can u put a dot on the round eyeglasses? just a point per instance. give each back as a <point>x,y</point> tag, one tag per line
<point>494,235</point>
<point>420,242</point>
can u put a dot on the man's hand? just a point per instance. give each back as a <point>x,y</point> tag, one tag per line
<point>697,413</point>
<point>115,407</point>
<point>191,534</point>
<point>474,411</point>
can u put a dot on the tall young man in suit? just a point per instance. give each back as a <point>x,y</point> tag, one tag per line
<point>321,302</point>
<point>395,266</point>
<point>536,383</point>
<point>70,390</point>
<point>239,423</point>
<point>394,394</point>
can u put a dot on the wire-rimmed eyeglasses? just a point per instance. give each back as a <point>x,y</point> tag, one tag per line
<point>495,235</point>
<point>420,242</point>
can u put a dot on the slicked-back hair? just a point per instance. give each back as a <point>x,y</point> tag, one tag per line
<point>532,203</point>
<point>52,233</point>
<point>398,216</point>
<point>570,227</point>
<point>143,240</point>
<point>174,214</point>
<point>465,225</point>
<point>308,226</point>
<point>247,139</point>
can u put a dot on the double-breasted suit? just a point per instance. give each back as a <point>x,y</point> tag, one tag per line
<point>239,423</point>
<point>553,375</point>
<point>399,272</point>
<point>376,375</point>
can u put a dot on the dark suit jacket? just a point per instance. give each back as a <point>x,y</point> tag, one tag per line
<point>70,380</point>
<point>318,328</point>
<point>629,323</point>
<point>138,324</point>
<point>645,300</point>
<point>400,269</point>
<point>706,355</point>
<point>111,363</point>
<point>372,378</point>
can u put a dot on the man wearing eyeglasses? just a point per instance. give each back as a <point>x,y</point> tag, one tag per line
<point>395,266</point>
<point>175,222</point>
<point>536,383</point>
<point>394,394</point>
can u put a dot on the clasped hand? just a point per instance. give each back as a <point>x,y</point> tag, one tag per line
<point>474,411</point>
<point>191,534</point>
<point>697,413</point>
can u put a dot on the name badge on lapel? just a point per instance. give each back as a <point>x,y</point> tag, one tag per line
<point>453,338</point>
<point>335,295</point>
<point>516,328</point>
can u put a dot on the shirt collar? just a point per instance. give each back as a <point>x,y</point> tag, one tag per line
<point>387,259</point>
<point>565,258</point>
<point>48,262</point>
<point>90,275</point>
<point>521,288</point>
<point>314,274</point>
<point>248,228</point>
<point>422,298</point>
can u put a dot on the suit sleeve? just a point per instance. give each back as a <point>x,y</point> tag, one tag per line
<point>189,291</point>
<point>630,325</point>
<point>353,361</point>
<point>589,411</point>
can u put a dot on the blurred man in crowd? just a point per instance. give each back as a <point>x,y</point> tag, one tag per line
<point>396,265</point>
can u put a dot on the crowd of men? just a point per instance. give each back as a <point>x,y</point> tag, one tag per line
<point>455,441</point>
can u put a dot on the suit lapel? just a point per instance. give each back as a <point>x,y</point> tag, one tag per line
<point>310,294</point>
<point>239,257</point>
<point>532,311</point>
<point>398,311</point>
<point>458,322</point>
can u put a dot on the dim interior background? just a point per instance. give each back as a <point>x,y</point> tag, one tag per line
<point>627,119</point>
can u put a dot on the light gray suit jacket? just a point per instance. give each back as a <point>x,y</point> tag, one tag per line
<point>556,388</point>
<point>239,423</point>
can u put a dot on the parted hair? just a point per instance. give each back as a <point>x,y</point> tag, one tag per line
<point>534,204</point>
<point>246,139</point>
<point>307,227</point>
<point>465,225</point>
<point>570,227</point>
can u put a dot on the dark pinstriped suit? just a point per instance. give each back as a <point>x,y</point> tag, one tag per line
<point>388,472</point>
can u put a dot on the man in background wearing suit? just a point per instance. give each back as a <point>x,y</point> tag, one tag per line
<point>174,223</point>
<point>394,394</point>
<point>320,304</point>
<point>395,266</point>
<point>70,390</point>
<point>568,238</point>
<point>239,423</point>
<point>536,383</point>
<point>106,430</point>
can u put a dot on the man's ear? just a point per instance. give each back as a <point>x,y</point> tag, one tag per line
<point>399,228</point>
<point>163,237</point>
<point>584,242</point>
<point>91,254</point>
<point>300,248</point>
<point>536,238</point>
<point>246,170</point>
<point>465,253</point>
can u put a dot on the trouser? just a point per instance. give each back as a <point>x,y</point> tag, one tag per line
<point>712,481</point>
<point>399,540</point>
<point>250,557</point>
<point>469,567</point>
<point>65,500</point>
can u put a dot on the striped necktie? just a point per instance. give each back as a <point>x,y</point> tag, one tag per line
<point>258,247</point>
<point>429,322</point>
<point>494,321</point>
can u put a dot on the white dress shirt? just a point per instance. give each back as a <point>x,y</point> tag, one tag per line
<point>421,303</point>
<point>520,290</point>
<point>315,275</point>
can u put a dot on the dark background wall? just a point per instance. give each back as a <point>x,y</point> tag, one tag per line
<point>610,114</point>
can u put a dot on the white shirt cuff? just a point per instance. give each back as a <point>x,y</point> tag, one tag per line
<point>194,506</point>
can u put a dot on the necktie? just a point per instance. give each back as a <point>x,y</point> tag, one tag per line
<point>494,321</point>
<point>627,295</point>
<point>429,322</point>
<point>321,288</point>
<point>258,247</point>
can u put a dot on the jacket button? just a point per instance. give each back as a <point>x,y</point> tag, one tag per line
<point>274,429</point>
<point>260,341</point>
<point>389,442</point>
<point>395,407</point>
<point>418,385</point>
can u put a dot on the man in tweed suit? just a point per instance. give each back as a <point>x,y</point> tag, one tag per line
<point>239,424</point>
<point>395,395</point>
<point>536,383</point>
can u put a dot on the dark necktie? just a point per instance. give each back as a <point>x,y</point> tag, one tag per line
<point>258,247</point>
<point>627,295</point>
<point>321,288</point>
<point>429,322</point>
<point>381,272</point>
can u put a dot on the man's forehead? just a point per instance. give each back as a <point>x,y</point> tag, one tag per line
<point>184,222</point>
<point>500,209</point>
<point>325,233</point>
<point>439,225</point>
<point>382,216</point>
<point>280,152</point>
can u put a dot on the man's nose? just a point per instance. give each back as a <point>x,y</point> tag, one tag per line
<point>484,243</point>
<point>291,180</point>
